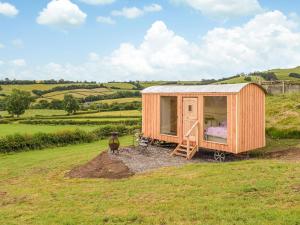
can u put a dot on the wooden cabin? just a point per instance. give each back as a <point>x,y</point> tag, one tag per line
<point>226,118</point>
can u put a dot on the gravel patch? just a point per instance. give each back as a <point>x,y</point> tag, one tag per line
<point>139,161</point>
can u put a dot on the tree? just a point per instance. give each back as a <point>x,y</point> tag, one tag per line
<point>1,88</point>
<point>71,104</point>
<point>18,102</point>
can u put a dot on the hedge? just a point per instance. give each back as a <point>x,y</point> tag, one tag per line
<point>20,142</point>
<point>282,133</point>
<point>85,122</point>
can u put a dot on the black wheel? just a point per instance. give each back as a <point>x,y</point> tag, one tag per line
<point>219,156</point>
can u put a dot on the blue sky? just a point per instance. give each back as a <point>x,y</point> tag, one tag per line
<point>146,40</point>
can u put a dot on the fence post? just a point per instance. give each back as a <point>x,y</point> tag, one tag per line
<point>283,87</point>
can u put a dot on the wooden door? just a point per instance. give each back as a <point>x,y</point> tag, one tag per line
<point>189,117</point>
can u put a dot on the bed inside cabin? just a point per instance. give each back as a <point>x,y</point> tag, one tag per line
<point>215,119</point>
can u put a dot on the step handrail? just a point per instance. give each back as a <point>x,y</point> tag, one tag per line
<point>188,134</point>
<point>192,128</point>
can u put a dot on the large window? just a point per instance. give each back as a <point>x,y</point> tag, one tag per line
<point>215,119</point>
<point>168,115</point>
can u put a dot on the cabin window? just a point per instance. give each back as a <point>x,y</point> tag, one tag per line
<point>190,108</point>
<point>215,119</point>
<point>168,115</point>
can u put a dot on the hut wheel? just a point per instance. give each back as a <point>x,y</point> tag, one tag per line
<point>219,156</point>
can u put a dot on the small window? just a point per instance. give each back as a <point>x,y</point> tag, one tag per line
<point>215,119</point>
<point>168,115</point>
<point>190,108</point>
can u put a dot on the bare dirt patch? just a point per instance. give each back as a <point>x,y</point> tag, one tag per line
<point>102,166</point>
<point>292,154</point>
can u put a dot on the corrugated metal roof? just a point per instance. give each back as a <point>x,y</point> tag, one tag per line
<point>216,88</point>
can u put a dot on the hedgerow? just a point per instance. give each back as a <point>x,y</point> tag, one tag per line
<point>25,142</point>
<point>282,133</point>
<point>85,122</point>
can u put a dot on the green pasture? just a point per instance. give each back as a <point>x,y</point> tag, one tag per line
<point>34,190</point>
<point>8,129</point>
<point>118,100</point>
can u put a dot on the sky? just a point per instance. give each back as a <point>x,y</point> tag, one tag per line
<point>122,40</point>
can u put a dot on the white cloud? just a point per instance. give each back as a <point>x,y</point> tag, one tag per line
<point>223,8</point>
<point>98,2</point>
<point>94,56</point>
<point>134,12</point>
<point>129,13</point>
<point>18,43</point>
<point>269,40</point>
<point>153,8</point>
<point>18,62</point>
<point>8,9</point>
<point>106,20</point>
<point>2,45</point>
<point>62,14</point>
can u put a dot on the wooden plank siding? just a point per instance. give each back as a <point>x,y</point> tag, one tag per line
<point>251,118</point>
<point>245,119</point>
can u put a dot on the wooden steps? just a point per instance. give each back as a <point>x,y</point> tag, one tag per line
<point>182,150</point>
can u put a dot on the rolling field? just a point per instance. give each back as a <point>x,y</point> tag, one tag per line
<point>283,74</point>
<point>36,112</point>
<point>283,111</point>
<point>34,191</point>
<point>119,100</point>
<point>240,80</point>
<point>8,129</point>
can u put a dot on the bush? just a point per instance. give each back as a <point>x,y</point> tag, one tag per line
<point>248,78</point>
<point>283,133</point>
<point>18,142</point>
<point>296,75</point>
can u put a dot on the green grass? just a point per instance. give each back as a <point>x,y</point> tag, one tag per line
<point>35,112</point>
<point>110,113</point>
<point>120,85</point>
<point>240,80</point>
<point>283,111</point>
<point>245,192</point>
<point>283,74</point>
<point>118,100</point>
<point>7,129</point>
<point>8,88</point>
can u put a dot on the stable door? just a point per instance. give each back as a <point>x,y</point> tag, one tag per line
<point>190,117</point>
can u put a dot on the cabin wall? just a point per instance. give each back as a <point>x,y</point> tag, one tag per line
<point>251,120</point>
<point>151,120</point>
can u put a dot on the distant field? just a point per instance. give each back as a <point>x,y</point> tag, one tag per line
<point>7,129</point>
<point>240,80</point>
<point>283,74</point>
<point>118,100</point>
<point>113,113</point>
<point>29,87</point>
<point>120,85</point>
<point>35,112</point>
<point>283,111</point>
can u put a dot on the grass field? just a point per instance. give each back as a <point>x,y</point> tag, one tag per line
<point>240,80</point>
<point>119,100</point>
<point>120,85</point>
<point>7,129</point>
<point>40,112</point>
<point>283,111</point>
<point>283,74</point>
<point>34,191</point>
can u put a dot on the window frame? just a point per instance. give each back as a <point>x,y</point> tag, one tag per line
<point>203,121</point>
<point>160,111</point>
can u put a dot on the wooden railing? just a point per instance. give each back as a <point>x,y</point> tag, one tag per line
<point>188,134</point>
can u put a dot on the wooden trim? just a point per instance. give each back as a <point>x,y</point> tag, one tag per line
<point>237,125</point>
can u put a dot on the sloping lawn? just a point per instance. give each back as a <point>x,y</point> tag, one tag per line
<point>33,190</point>
<point>8,129</point>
